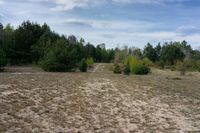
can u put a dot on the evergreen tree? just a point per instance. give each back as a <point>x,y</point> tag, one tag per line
<point>83,66</point>
<point>61,57</point>
<point>171,53</point>
<point>150,52</point>
<point>3,60</point>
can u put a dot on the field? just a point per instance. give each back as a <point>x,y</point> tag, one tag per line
<point>98,101</point>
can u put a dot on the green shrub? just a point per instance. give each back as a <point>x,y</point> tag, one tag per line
<point>60,58</point>
<point>137,67</point>
<point>141,69</point>
<point>83,66</point>
<point>173,68</point>
<point>148,62</point>
<point>90,62</point>
<point>127,70</point>
<point>130,60</point>
<point>161,64</point>
<point>117,69</point>
<point>3,60</point>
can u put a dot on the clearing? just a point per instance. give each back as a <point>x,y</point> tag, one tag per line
<point>98,101</point>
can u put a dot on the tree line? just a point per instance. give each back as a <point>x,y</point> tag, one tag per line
<point>33,43</point>
<point>172,55</point>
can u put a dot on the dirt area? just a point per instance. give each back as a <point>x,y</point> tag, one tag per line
<point>98,101</point>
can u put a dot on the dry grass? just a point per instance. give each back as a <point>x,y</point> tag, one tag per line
<point>98,101</point>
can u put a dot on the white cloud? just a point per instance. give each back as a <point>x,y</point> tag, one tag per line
<point>1,2</point>
<point>63,5</point>
<point>123,31</point>
<point>189,29</point>
<point>71,4</point>
<point>131,33</point>
<point>113,25</point>
<point>24,12</point>
<point>1,15</point>
<point>146,1</point>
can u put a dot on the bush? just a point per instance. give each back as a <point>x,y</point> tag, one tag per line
<point>137,66</point>
<point>161,64</point>
<point>186,65</point>
<point>148,62</point>
<point>60,58</point>
<point>83,66</point>
<point>173,68</point>
<point>3,60</point>
<point>190,65</point>
<point>181,66</point>
<point>198,65</point>
<point>90,62</point>
<point>127,70</point>
<point>117,69</point>
<point>171,54</point>
<point>141,69</point>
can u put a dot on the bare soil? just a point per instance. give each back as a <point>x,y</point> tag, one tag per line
<point>98,101</point>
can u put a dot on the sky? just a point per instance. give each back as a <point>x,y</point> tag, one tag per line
<point>113,22</point>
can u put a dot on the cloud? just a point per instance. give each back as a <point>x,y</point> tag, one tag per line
<point>189,29</point>
<point>134,27</point>
<point>147,1</point>
<point>1,16</point>
<point>66,5</point>
<point>108,36</point>
<point>129,32</point>
<point>78,23</point>
<point>139,39</point>
<point>69,4</point>
<point>114,25</point>
<point>25,12</point>
<point>63,5</point>
<point>1,2</point>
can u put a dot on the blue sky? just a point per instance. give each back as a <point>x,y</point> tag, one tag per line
<point>114,22</point>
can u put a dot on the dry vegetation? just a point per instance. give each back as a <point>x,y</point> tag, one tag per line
<point>98,101</point>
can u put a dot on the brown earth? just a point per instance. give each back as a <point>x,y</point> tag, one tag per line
<point>98,101</point>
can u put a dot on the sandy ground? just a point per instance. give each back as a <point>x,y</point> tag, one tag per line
<point>98,101</point>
